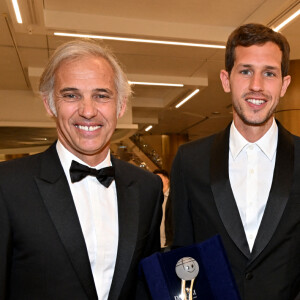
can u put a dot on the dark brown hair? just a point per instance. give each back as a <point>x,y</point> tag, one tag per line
<point>256,34</point>
<point>162,172</point>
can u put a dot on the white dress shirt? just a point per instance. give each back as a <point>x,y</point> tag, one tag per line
<point>97,209</point>
<point>251,168</point>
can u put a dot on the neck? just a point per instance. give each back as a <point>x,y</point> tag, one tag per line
<point>252,133</point>
<point>90,158</point>
<point>93,160</point>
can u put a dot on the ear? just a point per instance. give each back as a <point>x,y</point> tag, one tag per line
<point>224,76</point>
<point>48,109</point>
<point>285,83</point>
<point>123,108</point>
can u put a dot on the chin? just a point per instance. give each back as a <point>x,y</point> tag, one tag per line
<point>256,122</point>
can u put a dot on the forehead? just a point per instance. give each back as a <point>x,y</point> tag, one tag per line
<point>85,69</point>
<point>265,54</point>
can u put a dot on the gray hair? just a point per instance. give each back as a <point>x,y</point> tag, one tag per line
<point>75,50</point>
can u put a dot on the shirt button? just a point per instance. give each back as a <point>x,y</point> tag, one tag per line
<point>251,147</point>
<point>249,276</point>
<point>251,171</point>
<point>251,236</point>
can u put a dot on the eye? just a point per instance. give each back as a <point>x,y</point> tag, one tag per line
<point>103,98</point>
<point>245,72</point>
<point>70,97</point>
<point>270,74</point>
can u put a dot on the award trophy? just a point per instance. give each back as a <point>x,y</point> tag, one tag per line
<point>199,271</point>
<point>187,269</point>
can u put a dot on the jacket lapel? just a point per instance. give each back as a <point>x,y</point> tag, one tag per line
<point>58,200</point>
<point>128,213</point>
<point>279,193</point>
<point>223,194</point>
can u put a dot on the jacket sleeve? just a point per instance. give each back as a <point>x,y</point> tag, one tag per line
<point>153,241</point>
<point>182,218</point>
<point>5,249</point>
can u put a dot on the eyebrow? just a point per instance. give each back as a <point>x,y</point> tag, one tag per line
<point>103,90</point>
<point>72,89</point>
<point>68,89</point>
<point>266,66</point>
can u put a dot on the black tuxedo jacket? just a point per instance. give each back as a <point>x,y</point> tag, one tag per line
<point>42,249</point>
<point>204,205</point>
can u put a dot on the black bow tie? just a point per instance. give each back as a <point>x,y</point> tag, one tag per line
<point>78,171</point>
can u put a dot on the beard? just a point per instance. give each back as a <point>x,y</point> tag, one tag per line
<point>257,117</point>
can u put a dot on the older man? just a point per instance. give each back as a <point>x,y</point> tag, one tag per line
<point>75,221</point>
<point>243,183</point>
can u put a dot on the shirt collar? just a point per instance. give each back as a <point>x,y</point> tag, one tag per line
<point>66,158</point>
<point>267,143</point>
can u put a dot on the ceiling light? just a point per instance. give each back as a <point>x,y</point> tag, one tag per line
<point>156,83</point>
<point>288,20</point>
<point>138,40</point>
<point>187,98</point>
<point>17,11</point>
<point>148,128</point>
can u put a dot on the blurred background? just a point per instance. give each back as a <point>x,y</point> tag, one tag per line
<point>126,27</point>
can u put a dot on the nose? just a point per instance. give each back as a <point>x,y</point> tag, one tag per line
<point>87,108</point>
<point>256,83</point>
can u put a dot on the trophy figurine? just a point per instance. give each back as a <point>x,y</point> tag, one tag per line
<point>187,269</point>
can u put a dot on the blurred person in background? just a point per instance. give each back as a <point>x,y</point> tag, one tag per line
<point>166,229</point>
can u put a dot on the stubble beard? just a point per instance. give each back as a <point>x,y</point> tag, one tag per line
<point>247,121</point>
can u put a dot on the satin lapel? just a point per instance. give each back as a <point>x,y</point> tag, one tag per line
<point>57,197</point>
<point>128,213</point>
<point>222,191</point>
<point>279,193</point>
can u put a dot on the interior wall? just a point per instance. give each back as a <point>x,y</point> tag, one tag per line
<point>288,111</point>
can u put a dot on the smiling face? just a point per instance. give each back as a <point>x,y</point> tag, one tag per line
<point>86,103</point>
<point>256,84</point>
